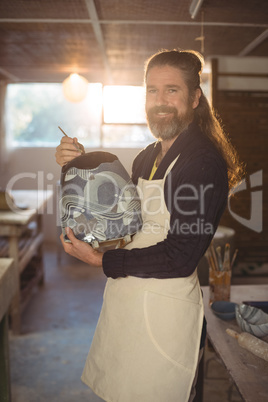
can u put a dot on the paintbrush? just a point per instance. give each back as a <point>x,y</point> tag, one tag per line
<point>78,149</point>
<point>226,260</point>
<point>234,257</point>
<point>220,264</point>
<point>214,257</point>
<point>210,259</point>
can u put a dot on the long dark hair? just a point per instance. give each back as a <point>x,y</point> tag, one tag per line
<point>190,63</point>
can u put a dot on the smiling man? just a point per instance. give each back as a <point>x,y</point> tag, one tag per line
<point>168,105</point>
<point>150,333</point>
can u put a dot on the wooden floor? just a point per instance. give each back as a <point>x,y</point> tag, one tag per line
<point>47,359</point>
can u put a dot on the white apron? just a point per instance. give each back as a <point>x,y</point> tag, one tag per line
<point>146,344</point>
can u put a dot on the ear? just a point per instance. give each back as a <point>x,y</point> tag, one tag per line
<point>196,98</point>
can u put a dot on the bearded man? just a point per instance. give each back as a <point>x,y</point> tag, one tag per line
<point>150,333</point>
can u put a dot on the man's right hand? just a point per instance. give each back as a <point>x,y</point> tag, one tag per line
<point>67,151</point>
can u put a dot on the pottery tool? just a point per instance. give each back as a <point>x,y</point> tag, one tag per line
<point>251,343</point>
<point>210,259</point>
<point>234,257</point>
<point>226,259</point>
<point>218,252</point>
<point>78,149</point>
<point>214,257</point>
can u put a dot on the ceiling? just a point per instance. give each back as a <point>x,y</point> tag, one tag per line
<point>109,40</point>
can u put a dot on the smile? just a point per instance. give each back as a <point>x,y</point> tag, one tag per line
<point>162,114</point>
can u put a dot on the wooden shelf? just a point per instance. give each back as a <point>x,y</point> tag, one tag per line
<point>21,238</point>
<point>29,250</point>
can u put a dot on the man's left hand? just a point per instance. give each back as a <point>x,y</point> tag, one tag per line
<point>81,250</point>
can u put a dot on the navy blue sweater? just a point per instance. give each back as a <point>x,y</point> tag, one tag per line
<point>196,192</point>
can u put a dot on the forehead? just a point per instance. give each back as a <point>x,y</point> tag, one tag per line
<point>165,75</point>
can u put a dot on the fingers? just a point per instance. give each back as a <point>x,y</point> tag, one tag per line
<point>66,245</point>
<point>62,241</point>
<point>81,250</point>
<point>80,146</point>
<point>66,151</point>
<point>67,140</point>
<point>70,234</point>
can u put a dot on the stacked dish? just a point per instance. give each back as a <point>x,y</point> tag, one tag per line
<point>251,319</point>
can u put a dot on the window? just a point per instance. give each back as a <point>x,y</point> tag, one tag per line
<point>124,120</point>
<point>34,112</point>
<point>124,104</point>
<point>110,117</point>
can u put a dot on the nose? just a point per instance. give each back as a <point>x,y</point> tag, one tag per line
<point>161,98</point>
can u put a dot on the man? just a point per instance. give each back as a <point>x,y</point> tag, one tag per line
<point>151,328</point>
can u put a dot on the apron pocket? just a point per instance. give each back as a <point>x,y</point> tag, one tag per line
<point>174,327</point>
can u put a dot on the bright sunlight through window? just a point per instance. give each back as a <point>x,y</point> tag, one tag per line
<point>110,116</point>
<point>124,104</point>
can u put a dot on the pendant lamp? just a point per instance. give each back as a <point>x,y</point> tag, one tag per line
<point>75,88</point>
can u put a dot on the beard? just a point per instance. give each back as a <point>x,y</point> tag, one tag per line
<point>170,127</point>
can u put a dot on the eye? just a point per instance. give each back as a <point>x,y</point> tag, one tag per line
<point>172,90</point>
<point>151,91</point>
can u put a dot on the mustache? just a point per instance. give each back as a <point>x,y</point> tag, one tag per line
<point>162,109</point>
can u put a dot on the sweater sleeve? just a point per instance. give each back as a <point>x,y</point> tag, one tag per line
<point>196,203</point>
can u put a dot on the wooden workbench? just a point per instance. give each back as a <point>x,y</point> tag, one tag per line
<point>249,373</point>
<point>21,236</point>
<point>8,288</point>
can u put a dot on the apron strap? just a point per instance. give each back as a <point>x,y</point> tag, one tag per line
<point>171,166</point>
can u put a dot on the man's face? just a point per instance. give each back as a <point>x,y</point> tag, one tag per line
<point>169,108</point>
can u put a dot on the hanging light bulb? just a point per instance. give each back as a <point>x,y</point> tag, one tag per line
<point>75,88</point>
